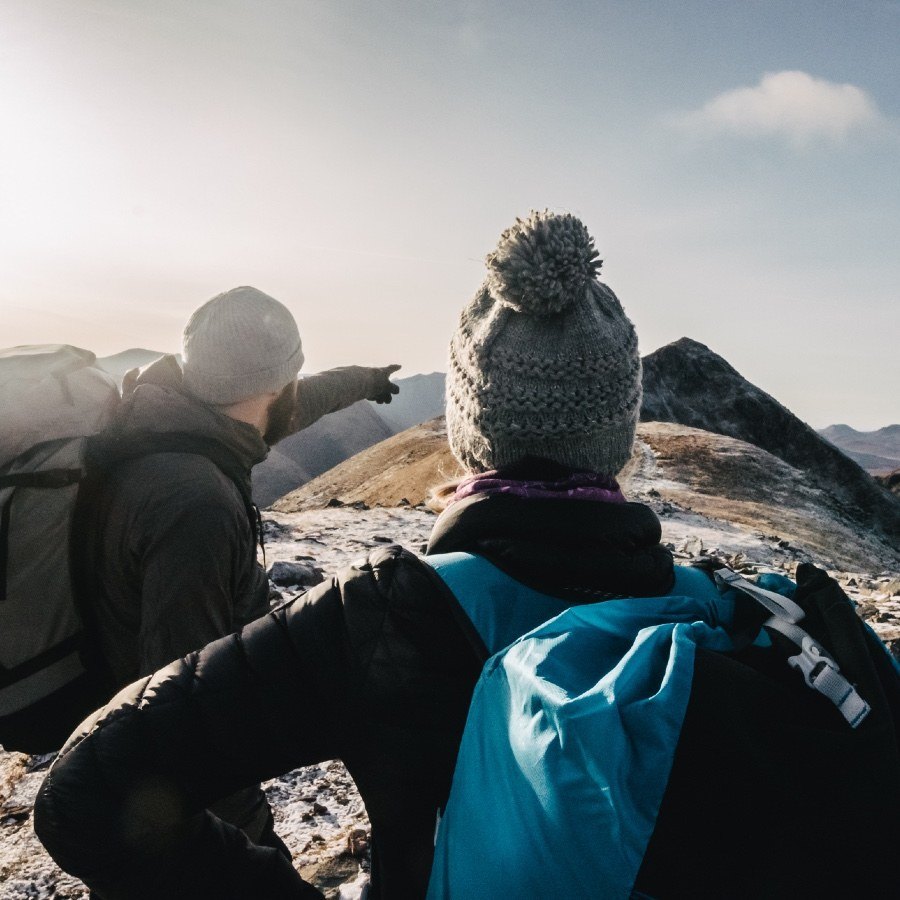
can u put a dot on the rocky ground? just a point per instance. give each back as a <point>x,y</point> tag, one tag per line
<point>317,810</point>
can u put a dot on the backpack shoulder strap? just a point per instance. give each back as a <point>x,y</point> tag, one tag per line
<point>501,608</point>
<point>819,669</point>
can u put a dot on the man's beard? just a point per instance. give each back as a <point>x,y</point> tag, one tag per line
<point>280,420</point>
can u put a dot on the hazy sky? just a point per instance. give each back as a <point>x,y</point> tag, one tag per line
<point>737,162</point>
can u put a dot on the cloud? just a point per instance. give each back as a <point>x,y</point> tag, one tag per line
<point>791,104</point>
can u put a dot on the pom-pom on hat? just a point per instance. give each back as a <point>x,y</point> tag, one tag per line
<point>542,264</point>
<point>239,344</point>
<point>544,362</point>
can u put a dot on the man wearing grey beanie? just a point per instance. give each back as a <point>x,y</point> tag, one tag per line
<point>171,531</point>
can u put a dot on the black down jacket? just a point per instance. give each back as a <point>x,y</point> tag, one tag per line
<point>376,668</point>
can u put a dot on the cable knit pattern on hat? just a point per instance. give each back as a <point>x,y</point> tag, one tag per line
<point>544,362</point>
<point>239,344</point>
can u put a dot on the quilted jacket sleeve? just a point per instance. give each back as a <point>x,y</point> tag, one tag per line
<point>123,807</point>
<point>337,673</point>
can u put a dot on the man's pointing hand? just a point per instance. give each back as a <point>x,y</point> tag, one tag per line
<point>382,389</point>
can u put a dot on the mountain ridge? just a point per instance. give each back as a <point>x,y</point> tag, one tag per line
<point>687,383</point>
<point>724,482</point>
<point>684,382</point>
<point>876,451</point>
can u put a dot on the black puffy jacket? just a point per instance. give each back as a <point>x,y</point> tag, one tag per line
<point>376,668</point>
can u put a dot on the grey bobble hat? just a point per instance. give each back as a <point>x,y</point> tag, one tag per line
<point>544,362</point>
<point>239,344</point>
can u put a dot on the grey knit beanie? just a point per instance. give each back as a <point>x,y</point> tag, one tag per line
<point>544,362</point>
<point>238,344</point>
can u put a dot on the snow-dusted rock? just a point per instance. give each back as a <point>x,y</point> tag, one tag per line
<point>284,573</point>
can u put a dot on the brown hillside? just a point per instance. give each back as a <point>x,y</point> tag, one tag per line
<point>672,467</point>
<point>686,383</point>
<point>731,481</point>
<point>402,468</point>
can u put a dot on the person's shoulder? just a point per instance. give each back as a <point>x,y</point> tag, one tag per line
<point>391,571</point>
<point>388,583</point>
<point>401,622</point>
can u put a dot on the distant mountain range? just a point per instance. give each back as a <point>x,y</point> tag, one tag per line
<point>876,451</point>
<point>338,436</point>
<point>304,455</point>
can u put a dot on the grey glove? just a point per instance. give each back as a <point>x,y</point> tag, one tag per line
<point>382,389</point>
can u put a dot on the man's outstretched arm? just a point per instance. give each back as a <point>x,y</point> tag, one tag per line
<point>327,392</point>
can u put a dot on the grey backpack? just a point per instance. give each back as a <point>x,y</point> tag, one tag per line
<point>53,398</point>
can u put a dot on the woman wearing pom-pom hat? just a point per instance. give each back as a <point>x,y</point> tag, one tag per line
<point>377,666</point>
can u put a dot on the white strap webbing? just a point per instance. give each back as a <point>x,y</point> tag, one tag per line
<point>777,604</point>
<point>818,668</point>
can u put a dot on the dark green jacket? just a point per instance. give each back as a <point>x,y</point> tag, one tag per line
<point>170,547</point>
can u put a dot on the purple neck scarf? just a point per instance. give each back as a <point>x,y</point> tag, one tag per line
<point>577,486</point>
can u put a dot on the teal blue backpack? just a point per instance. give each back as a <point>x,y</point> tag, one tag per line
<point>574,724</point>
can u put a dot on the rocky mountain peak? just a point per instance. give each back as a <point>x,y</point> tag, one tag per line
<point>687,353</point>
<point>687,383</point>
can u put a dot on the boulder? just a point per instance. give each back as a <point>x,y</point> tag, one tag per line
<point>301,574</point>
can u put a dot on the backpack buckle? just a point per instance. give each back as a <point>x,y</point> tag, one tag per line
<point>811,660</point>
<point>818,668</point>
<point>822,674</point>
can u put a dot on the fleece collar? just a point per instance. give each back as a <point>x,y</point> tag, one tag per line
<point>584,550</point>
